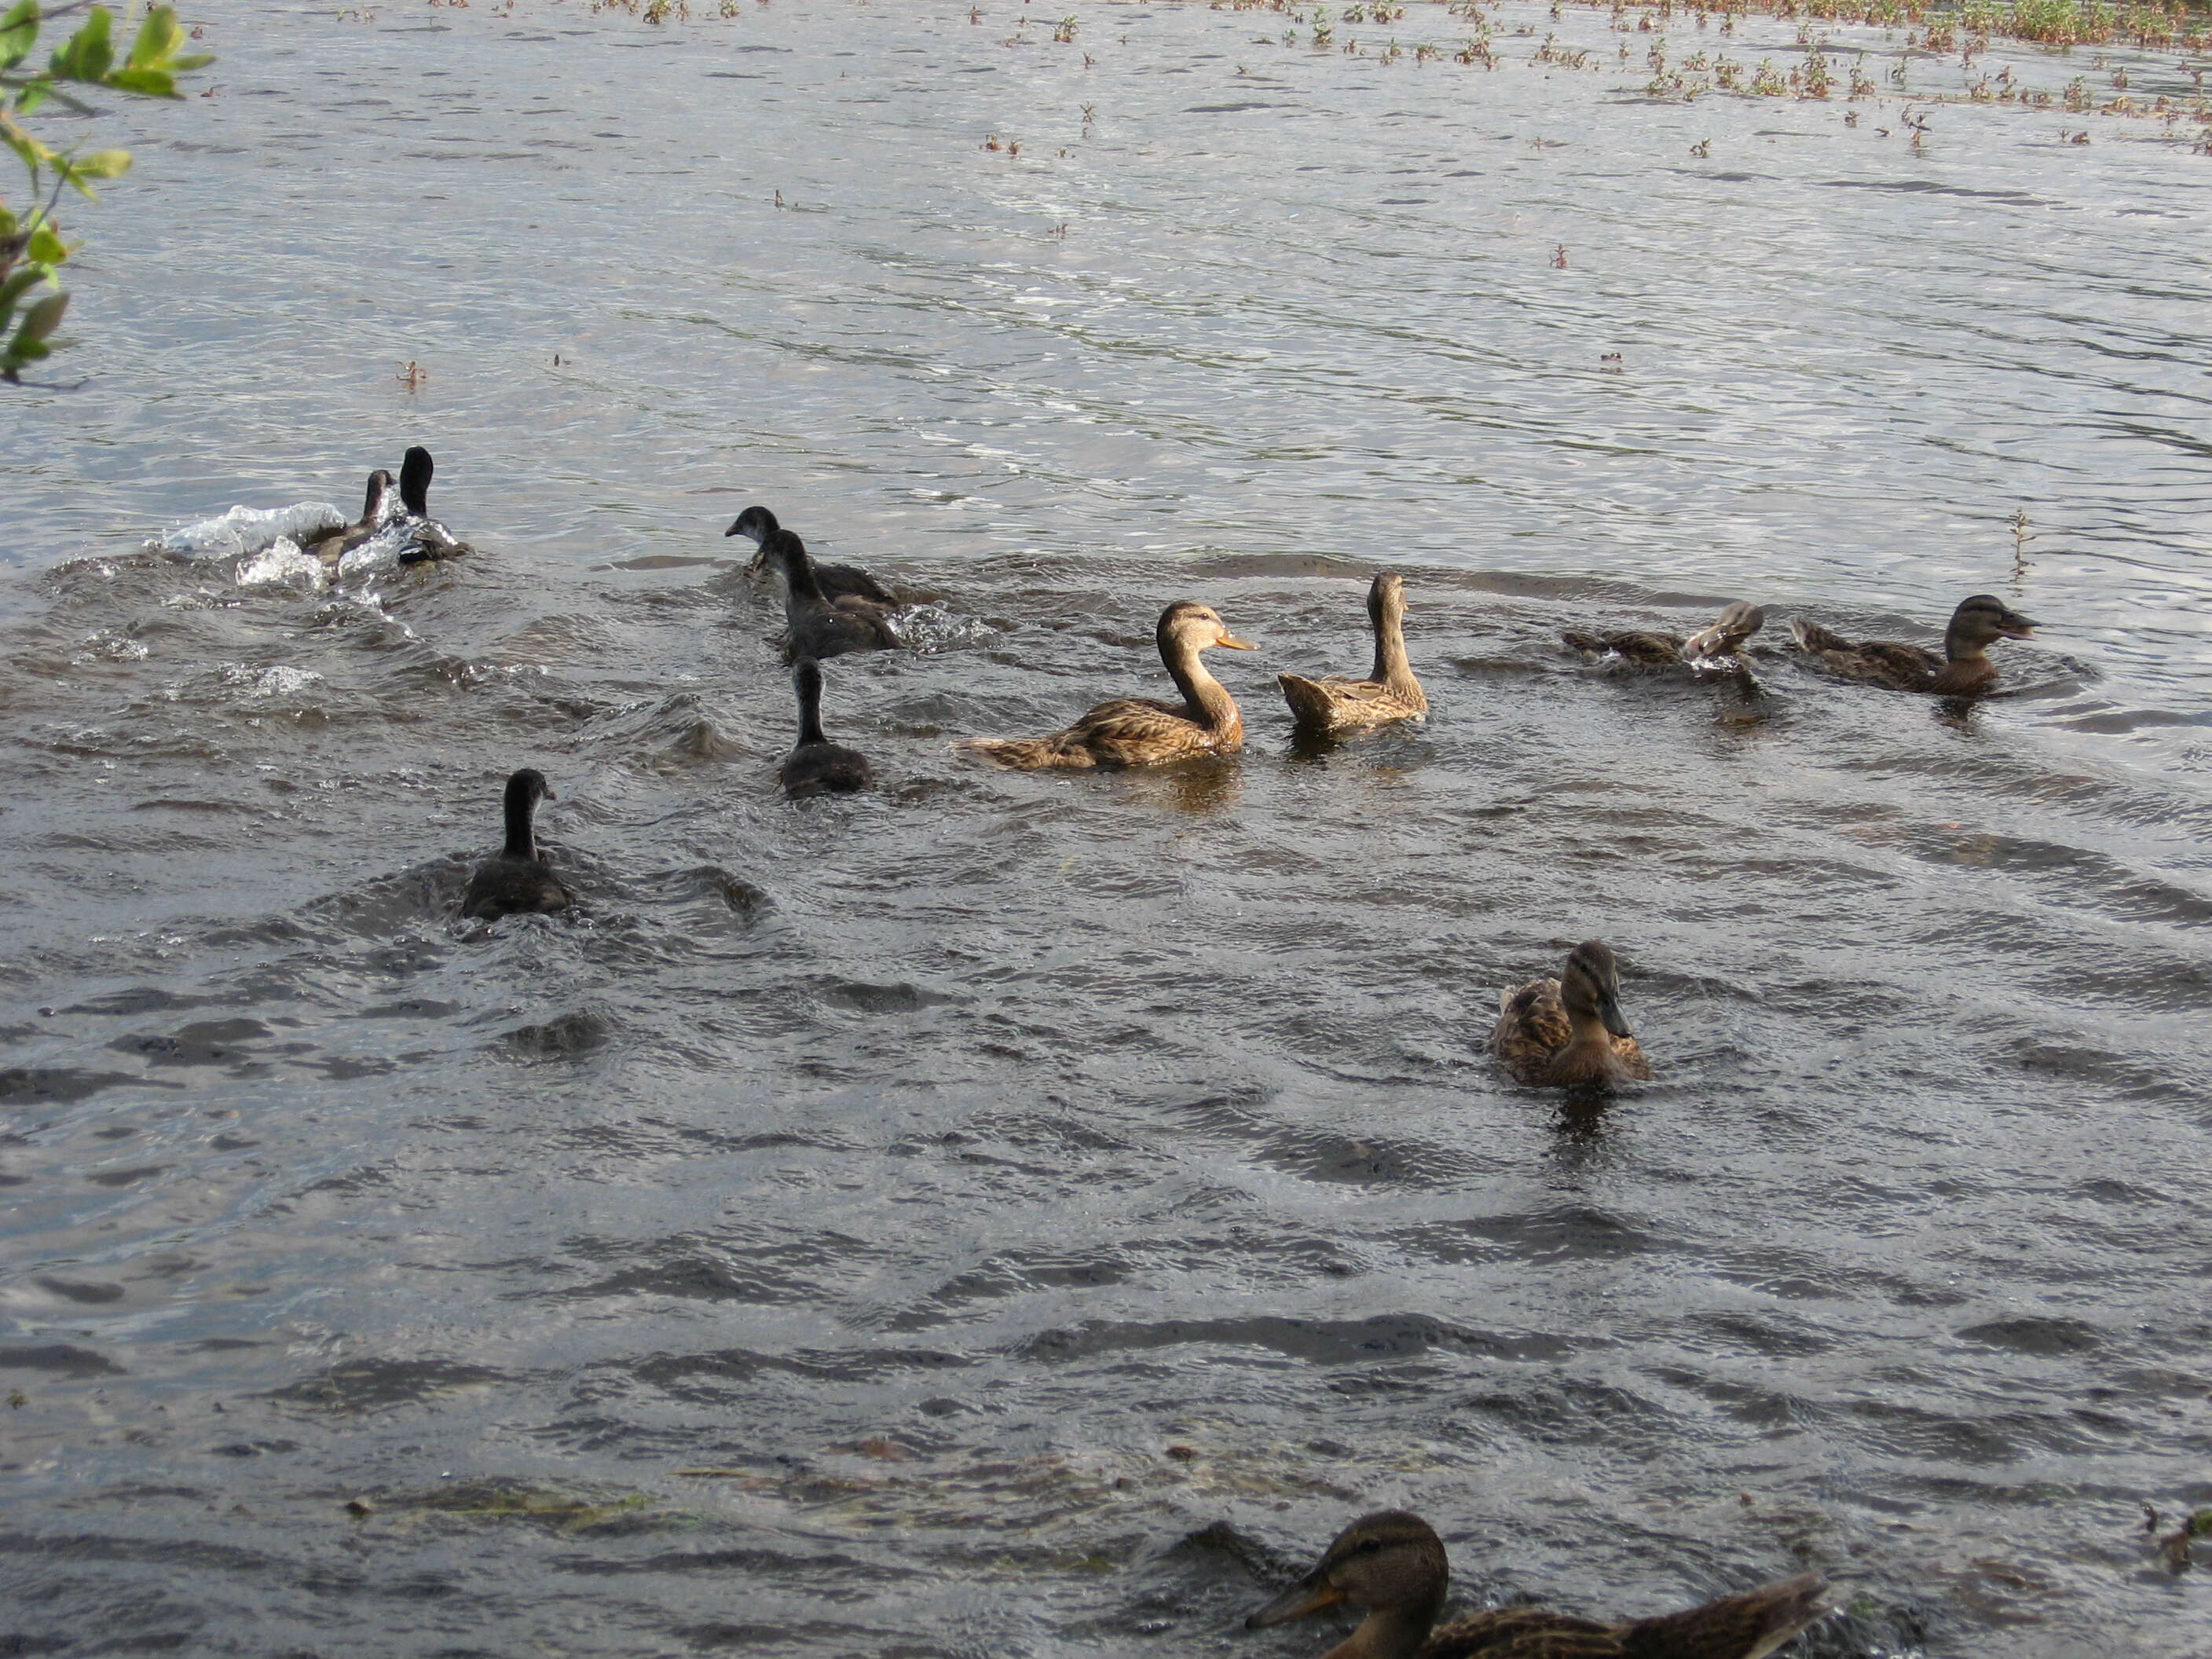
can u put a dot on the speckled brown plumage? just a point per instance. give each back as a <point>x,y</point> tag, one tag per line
<point>1962,670</point>
<point>1570,1031</point>
<point>1389,693</point>
<point>1717,646</point>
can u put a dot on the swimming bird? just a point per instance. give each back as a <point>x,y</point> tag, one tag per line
<point>1715,647</point>
<point>431,540</point>
<point>1390,693</point>
<point>1140,731</point>
<point>1570,1030</point>
<point>515,878</point>
<point>1963,669</point>
<point>836,581</point>
<point>376,510</point>
<point>1393,1564</point>
<point>815,765</point>
<point>815,625</point>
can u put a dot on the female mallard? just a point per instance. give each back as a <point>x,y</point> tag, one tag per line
<point>431,540</point>
<point>334,544</point>
<point>1716,648</point>
<point>1570,1030</point>
<point>515,878</point>
<point>814,624</point>
<point>1393,1564</point>
<point>836,581</point>
<point>1390,693</point>
<point>817,766</point>
<point>1139,730</point>
<point>1962,671</point>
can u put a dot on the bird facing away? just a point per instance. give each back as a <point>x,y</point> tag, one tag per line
<point>515,878</point>
<point>836,581</point>
<point>376,509</point>
<point>815,625</point>
<point>815,765</point>
<point>1390,693</point>
<point>431,541</point>
<point>1393,1564</point>
<point>1570,1030</point>
<point>1717,646</point>
<point>1142,731</point>
<point>1962,671</point>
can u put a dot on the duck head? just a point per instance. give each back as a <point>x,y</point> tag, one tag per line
<point>1391,1563</point>
<point>1187,625</point>
<point>1726,636</point>
<point>1982,619</point>
<point>1589,988</point>
<point>1386,599</point>
<point>378,502</point>
<point>759,525</point>
<point>415,469</point>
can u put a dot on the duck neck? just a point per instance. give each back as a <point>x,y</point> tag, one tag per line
<point>1391,668</point>
<point>809,682</point>
<point>1389,1633</point>
<point>1959,646</point>
<point>1589,1053</point>
<point>798,569</point>
<point>1208,700</point>
<point>415,483</point>
<point>520,808</point>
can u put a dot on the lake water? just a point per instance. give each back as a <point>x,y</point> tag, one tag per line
<point>1029,1215</point>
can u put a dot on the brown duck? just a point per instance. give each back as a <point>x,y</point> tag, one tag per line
<point>1570,1030</point>
<point>1142,731</point>
<point>1393,1564</point>
<point>1390,693</point>
<point>1962,671</point>
<point>1717,646</point>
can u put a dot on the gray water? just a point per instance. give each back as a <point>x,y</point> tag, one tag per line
<point>1029,1214</point>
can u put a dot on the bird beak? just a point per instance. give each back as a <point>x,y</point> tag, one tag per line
<point>732,531</point>
<point>2017,627</point>
<point>1296,1602</point>
<point>1235,644</point>
<point>549,795</point>
<point>1608,1009</point>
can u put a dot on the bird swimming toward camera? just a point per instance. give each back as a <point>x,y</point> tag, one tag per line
<point>817,766</point>
<point>1393,1564</point>
<point>516,878</point>
<point>1716,648</point>
<point>836,581</point>
<point>1964,670</point>
<point>815,625</point>
<point>1570,1031</point>
<point>428,541</point>
<point>376,511</point>
<point>1389,693</point>
<point>1143,731</point>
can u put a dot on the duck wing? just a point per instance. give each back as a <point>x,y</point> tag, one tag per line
<point>1523,1633</point>
<point>1645,650</point>
<point>840,582</point>
<point>1532,1026</point>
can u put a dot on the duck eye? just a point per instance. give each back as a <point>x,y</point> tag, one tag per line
<point>1369,1546</point>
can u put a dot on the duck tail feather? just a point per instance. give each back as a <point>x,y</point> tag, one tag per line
<point>1024,754</point>
<point>1811,636</point>
<point>1747,1626</point>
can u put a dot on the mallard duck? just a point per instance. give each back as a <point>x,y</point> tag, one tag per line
<point>431,540</point>
<point>817,766</point>
<point>1962,671</point>
<point>376,510</point>
<point>836,581</point>
<point>1716,648</point>
<point>1393,1564</point>
<point>1570,1030</point>
<point>515,878</point>
<point>815,626</point>
<point>1139,730</point>
<point>1390,693</point>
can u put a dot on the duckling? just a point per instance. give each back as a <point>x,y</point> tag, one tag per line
<point>432,540</point>
<point>515,877</point>
<point>376,510</point>
<point>1570,1030</point>
<point>1390,693</point>
<point>836,581</point>
<point>817,766</point>
<point>815,626</point>
<point>1140,731</point>
<point>1962,671</point>
<point>1717,646</point>
<point>1393,1564</point>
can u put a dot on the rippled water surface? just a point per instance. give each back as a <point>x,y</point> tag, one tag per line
<point>1013,1214</point>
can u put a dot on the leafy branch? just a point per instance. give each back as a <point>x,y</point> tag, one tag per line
<point>32,250</point>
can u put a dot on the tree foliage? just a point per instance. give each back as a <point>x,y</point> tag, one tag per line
<point>32,250</point>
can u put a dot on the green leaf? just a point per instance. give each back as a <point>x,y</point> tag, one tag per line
<point>19,32</point>
<point>31,97</point>
<point>28,351</point>
<point>18,284</point>
<point>158,38</point>
<point>102,164</point>
<point>47,248</point>
<point>42,319</point>
<point>88,54</point>
<point>147,83</point>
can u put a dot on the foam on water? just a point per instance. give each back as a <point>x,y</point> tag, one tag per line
<point>247,530</point>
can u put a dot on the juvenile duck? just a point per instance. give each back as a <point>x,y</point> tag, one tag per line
<point>1715,646</point>
<point>815,626</point>
<point>1390,693</point>
<point>1393,1564</point>
<point>376,511</point>
<point>1963,669</point>
<point>836,581</point>
<point>1570,1030</point>
<point>432,540</point>
<point>515,878</point>
<point>1139,731</point>
<point>817,766</point>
